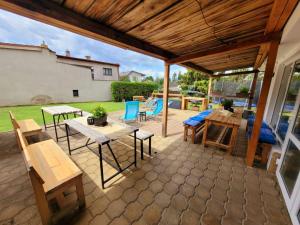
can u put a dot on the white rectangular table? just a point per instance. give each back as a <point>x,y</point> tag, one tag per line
<point>59,111</point>
<point>102,136</point>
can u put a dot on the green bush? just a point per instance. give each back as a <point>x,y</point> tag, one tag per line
<point>125,90</point>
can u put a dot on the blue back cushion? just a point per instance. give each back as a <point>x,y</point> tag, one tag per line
<point>266,135</point>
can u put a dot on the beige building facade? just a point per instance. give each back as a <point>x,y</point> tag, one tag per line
<point>36,75</point>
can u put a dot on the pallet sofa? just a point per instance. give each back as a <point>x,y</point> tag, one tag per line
<point>195,125</point>
<point>265,141</point>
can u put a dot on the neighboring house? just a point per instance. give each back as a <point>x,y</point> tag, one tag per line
<point>133,75</point>
<point>36,75</point>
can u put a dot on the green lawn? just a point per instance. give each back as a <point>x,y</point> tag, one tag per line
<point>34,112</point>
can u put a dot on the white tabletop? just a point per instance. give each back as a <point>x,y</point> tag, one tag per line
<point>60,109</point>
<point>112,131</point>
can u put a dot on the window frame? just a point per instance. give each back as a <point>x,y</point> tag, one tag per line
<point>105,69</point>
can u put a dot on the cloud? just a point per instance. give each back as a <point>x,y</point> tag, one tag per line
<point>21,30</point>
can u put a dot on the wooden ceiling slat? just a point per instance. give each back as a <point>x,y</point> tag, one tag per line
<point>281,11</point>
<point>171,28</point>
<point>145,11</point>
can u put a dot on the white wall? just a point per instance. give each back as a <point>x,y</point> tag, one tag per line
<point>98,68</point>
<point>26,74</point>
<point>133,76</point>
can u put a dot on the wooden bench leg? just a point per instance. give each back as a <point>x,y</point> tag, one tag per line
<point>80,192</point>
<point>185,133</point>
<point>266,148</point>
<point>41,200</point>
<point>193,135</point>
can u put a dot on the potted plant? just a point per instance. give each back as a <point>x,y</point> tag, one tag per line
<point>243,92</point>
<point>227,104</point>
<point>100,116</point>
<point>195,106</point>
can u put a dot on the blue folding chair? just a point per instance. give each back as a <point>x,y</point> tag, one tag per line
<point>131,111</point>
<point>158,108</point>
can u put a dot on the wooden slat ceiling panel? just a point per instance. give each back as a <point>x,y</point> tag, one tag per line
<point>233,59</point>
<point>185,26</point>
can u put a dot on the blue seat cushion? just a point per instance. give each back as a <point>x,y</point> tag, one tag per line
<point>196,120</point>
<point>266,136</point>
<point>191,122</point>
<point>251,122</point>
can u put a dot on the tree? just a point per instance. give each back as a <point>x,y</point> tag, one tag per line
<point>174,77</point>
<point>149,78</point>
<point>188,80</point>
<point>124,78</point>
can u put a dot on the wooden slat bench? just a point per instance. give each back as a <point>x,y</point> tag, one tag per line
<point>27,127</point>
<point>143,136</point>
<point>52,174</point>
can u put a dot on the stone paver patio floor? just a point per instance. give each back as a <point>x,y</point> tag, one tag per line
<point>182,183</point>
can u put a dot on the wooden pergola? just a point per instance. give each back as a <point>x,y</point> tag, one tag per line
<point>208,36</point>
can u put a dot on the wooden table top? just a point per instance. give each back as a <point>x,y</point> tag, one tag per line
<point>51,163</point>
<point>225,117</point>
<point>60,109</point>
<point>28,126</point>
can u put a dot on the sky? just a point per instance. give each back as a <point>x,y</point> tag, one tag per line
<point>21,30</point>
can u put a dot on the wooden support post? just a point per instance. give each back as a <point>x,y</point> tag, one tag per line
<point>262,102</point>
<point>165,99</point>
<point>252,90</point>
<point>209,89</point>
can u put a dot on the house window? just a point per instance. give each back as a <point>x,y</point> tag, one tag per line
<point>280,98</point>
<point>107,71</point>
<point>75,93</point>
<point>289,103</point>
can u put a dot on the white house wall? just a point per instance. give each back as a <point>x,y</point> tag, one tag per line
<point>35,73</point>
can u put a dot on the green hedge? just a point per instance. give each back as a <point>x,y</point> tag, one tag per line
<point>125,90</point>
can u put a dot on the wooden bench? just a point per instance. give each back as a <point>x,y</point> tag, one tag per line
<point>193,131</point>
<point>143,136</point>
<point>138,98</point>
<point>27,127</point>
<point>52,174</point>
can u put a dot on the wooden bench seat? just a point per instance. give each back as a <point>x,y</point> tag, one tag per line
<point>143,136</point>
<point>52,174</point>
<point>28,127</point>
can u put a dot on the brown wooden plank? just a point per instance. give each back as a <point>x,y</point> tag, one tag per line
<point>236,73</point>
<point>243,45</point>
<point>165,99</point>
<point>252,89</point>
<point>262,103</point>
<point>281,11</point>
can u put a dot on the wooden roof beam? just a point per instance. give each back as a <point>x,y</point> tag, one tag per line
<point>233,46</point>
<point>235,73</point>
<point>53,14</point>
<point>281,11</point>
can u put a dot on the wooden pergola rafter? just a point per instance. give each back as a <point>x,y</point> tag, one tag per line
<point>208,36</point>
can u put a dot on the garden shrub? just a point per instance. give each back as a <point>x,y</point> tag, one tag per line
<point>125,90</point>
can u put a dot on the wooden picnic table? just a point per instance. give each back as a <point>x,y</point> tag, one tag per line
<point>226,121</point>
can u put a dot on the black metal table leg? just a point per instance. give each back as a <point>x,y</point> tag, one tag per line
<point>55,128</point>
<point>68,140</point>
<point>135,148</point>
<point>142,150</point>
<point>149,145</point>
<point>44,120</point>
<point>101,167</point>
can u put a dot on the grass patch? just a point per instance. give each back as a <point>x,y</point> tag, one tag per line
<point>34,112</point>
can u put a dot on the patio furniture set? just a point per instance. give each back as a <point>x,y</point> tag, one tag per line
<point>228,124</point>
<point>52,172</point>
